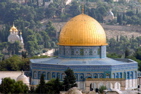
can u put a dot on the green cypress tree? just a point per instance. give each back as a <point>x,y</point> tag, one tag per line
<point>69,80</point>
<point>41,87</point>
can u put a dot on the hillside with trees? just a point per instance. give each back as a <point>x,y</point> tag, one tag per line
<point>35,20</point>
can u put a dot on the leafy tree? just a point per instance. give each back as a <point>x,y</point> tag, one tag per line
<point>50,29</point>
<point>110,1</point>
<point>127,53</point>
<point>54,83</point>
<point>10,86</point>
<point>74,9</point>
<point>69,80</point>
<point>138,54</point>
<point>14,63</point>
<point>101,89</point>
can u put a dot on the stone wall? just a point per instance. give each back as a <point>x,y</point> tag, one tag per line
<point>122,28</point>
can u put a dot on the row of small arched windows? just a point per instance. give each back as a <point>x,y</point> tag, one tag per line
<point>80,76</point>
<point>126,75</point>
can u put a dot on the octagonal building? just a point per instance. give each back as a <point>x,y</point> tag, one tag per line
<point>82,47</point>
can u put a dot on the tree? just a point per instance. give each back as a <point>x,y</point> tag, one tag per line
<point>58,86</point>
<point>101,89</point>
<point>138,54</point>
<point>50,29</point>
<point>54,86</point>
<point>109,1</point>
<point>10,86</point>
<point>7,85</point>
<point>41,88</point>
<point>69,80</point>
<point>127,53</point>
<point>74,9</point>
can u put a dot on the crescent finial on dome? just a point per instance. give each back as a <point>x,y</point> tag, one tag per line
<point>82,10</point>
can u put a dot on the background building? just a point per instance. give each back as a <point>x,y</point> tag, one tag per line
<point>15,35</point>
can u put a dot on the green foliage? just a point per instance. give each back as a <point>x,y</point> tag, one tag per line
<point>25,17</point>
<point>41,88</point>
<point>101,89</point>
<point>69,80</point>
<point>14,63</point>
<point>10,86</point>
<point>113,55</point>
<point>99,12</point>
<point>122,43</point>
<point>54,86</point>
<point>123,47</point>
<point>50,29</point>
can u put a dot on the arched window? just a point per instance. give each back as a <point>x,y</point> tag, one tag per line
<point>107,75</point>
<point>89,75</point>
<point>95,75</point>
<point>114,75</point>
<point>34,74</point>
<point>48,76</point>
<point>81,77</point>
<point>101,75</point>
<point>128,75</point>
<point>131,76</point>
<point>58,75</point>
<point>53,75</point>
<point>117,75</point>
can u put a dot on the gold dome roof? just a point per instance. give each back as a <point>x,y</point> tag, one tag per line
<point>13,28</point>
<point>82,30</point>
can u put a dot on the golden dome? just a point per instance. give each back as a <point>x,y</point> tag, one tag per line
<point>13,28</point>
<point>82,30</point>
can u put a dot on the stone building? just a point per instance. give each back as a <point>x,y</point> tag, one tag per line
<point>82,47</point>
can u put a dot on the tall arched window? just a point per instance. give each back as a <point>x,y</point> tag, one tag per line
<point>89,75</point>
<point>34,74</point>
<point>58,75</point>
<point>117,75</point>
<point>101,75</point>
<point>48,76</point>
<point>131,76</point>
<point>81,77</point>
<point>128,75</point>
<point>53,75</point>
<point>95,75</point>
<point>107,75</point>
